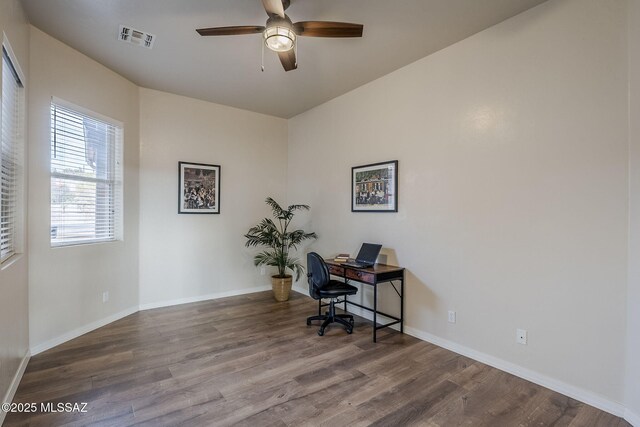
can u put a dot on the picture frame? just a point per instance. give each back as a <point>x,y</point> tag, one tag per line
<point>374,187</point>
<point>198,188</point>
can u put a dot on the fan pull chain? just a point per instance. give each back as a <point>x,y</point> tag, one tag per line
<point>296,47</point>
<point>262,57</point>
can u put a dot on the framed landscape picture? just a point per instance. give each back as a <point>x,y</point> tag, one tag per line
<point>374,188</point>
<point>199,188</point>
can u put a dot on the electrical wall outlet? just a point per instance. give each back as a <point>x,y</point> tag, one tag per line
<point>105,296</point>
<point>521,336</point>
<point>451,317</point>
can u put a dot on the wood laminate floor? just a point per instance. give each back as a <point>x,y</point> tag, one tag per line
<point>251,361</point>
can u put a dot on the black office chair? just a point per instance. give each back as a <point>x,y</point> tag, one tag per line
<point>321,286</point>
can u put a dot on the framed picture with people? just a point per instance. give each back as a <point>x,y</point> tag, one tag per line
<point>374,187</point>
<point>198,188</point>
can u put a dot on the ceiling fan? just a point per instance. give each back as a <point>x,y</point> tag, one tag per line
<point>280,34</point>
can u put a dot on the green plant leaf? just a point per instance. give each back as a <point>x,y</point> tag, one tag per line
<point>278,240</point>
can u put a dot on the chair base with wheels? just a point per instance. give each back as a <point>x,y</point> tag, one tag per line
<point>322,287</point>
<point>332,317</point>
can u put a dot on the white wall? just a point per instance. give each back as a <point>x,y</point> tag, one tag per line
<point>512,149</point>
<point>14,320</point>
<point>66,284</point>
<point>633,298</point>
<point>513,194</point>
<point>190,257</point>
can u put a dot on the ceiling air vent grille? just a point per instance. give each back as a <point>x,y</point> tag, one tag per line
<point>137,37</point>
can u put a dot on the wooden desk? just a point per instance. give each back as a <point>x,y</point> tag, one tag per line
<point>372,276</point>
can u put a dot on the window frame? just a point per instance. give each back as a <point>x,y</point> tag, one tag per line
<point>16,247</point>
<point>117,164</point>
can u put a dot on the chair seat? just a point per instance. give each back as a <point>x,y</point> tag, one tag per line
<point>335,289</point>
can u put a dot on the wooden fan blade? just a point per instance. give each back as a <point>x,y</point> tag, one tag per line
<point>230,31</point>
<point>327,29</point>
<point>288,59</point>
<point>274,7</point>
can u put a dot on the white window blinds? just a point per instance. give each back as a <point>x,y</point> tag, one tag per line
<point>10,157</point>
<point>86,177</point>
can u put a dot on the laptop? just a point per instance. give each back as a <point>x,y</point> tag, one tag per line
<point>366,257</point>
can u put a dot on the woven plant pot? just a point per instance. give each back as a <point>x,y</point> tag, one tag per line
<point>281,287</point>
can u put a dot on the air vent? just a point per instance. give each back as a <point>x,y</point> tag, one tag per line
<point>137,37</point>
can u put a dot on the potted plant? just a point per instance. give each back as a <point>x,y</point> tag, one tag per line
<point>278,240</point>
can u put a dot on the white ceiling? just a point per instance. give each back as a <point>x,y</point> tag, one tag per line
<point>226,70</point>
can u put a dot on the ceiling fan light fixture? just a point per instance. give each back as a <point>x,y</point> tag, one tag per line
<point>279,38</point>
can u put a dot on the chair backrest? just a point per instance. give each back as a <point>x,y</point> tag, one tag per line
<point>317,274</point>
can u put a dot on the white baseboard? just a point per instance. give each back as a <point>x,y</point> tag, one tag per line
<point>13,387</point>
<point>303,291</point>
<point>199,298</point>
<point>633,419</point>
<point>574,392</point>
<point>39,348</point>
<point>561,387</point>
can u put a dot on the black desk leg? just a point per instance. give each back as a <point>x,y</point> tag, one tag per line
<point>402,304</point>
<point>375,310</point>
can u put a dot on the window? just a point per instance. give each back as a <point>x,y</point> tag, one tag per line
<point>10,158</point>
<point>86,176</point>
